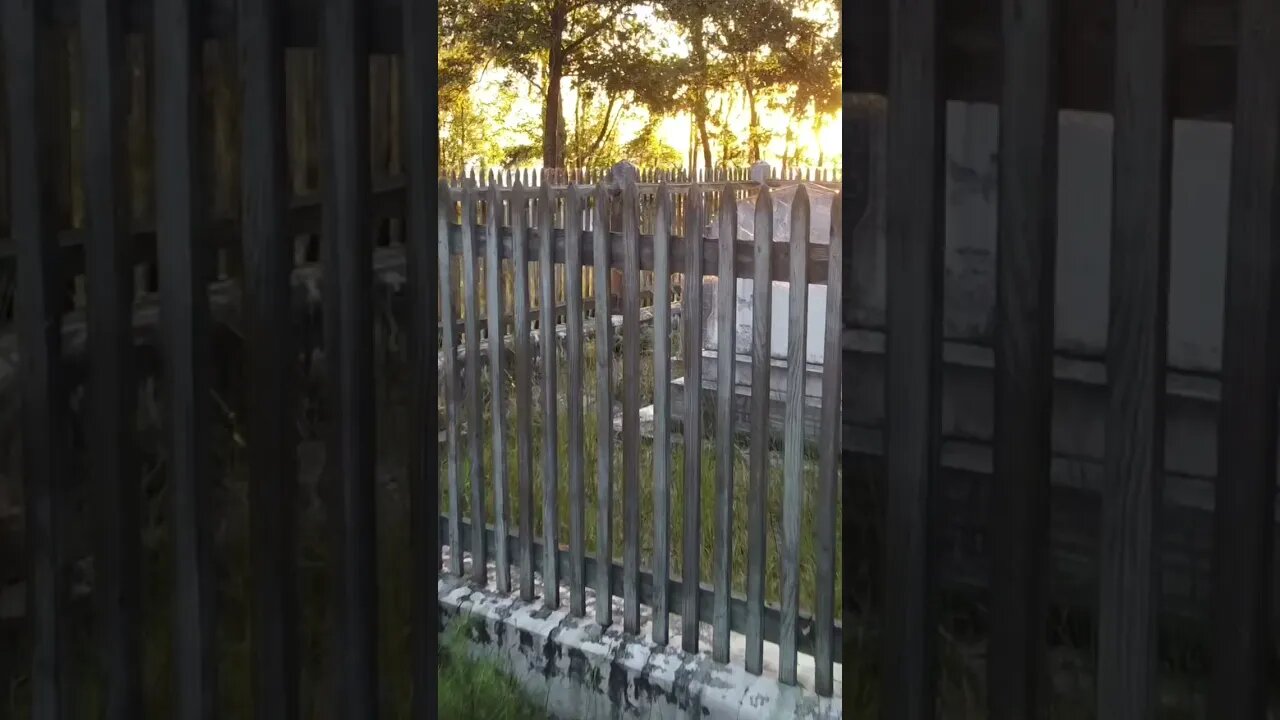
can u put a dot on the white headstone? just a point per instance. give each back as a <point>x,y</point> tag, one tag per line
<point>820,204</point>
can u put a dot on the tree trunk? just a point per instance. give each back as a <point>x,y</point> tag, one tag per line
<point>553,129</point>
<point>700,97</point>
<point>753,126</point>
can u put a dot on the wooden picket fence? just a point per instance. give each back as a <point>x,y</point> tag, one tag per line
<point>547,228</point>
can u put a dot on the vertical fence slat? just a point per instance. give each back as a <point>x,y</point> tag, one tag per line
<point>661,415</point>
<point>497,381</point>
<point>828,458</point>
<point>604,408</point>
<point>1245,487</point>
<point>471,366</point>
<point>38,309</point>
<point>577,450</point>
<point>524,385</point>
<point>726,302</point>
<point>186,325</point>
<point>452,376</point>
<point>349,343</point>
<point>761,331</point>
<point>112,389</point>
<point>421,156</point>
<point>631,408</point>
<point>793,437</point>
<point>1024,359</point>
<point>272,353</point>
<point>916,119</point>
<point>691,317</point>
<point>550,404</point>
<point>1128,607</point>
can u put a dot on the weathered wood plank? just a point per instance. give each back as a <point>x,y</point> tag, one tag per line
<point>828,457</point>
<point>29,58</point>
<point>793,443</point>
<point>690,570</point>
<point>471,379</point>
<point>1024,360</point>
<point>112,385</point>
<point>497,384</point>
<point>1133,498</point>
<point>272,359</point>
<point>524,385</point>
<point>604,407</point>
<point>726,304</point>
<point>914,221</point>
<point>420,151</point>
<point>185,319</point>
<point>348,246</point>
<point>662,465</point>
<point>630,410</point>
<point>577,431</point>
<point>550,403</point>
<point>1245,488</point>
<point>761,331</point>
<point>452,387</point>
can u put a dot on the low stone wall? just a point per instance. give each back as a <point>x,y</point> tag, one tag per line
<point>584,671</point>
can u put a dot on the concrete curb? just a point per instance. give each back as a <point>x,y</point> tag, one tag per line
<point>584,671</point>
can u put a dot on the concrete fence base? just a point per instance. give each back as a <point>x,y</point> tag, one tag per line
<point>583,671</point>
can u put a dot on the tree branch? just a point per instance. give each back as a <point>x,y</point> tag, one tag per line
<point>591,32</point>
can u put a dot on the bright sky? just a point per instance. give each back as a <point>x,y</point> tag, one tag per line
<point>675,129</point>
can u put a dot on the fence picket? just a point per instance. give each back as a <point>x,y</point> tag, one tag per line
<point>915,155</point>
<point>349,349</point>
<point>604,409</point>
<point>1129,579</point>
<point>577,450</point>
<point>691,317</point>
<point>793,439</point>
<point>662,466</point>
<point>550,398</point>
<point>1245,492</point>
<point>111,384</point>
<point>1023,360</point>
<point>630,409</point>
<point>268,262</point>
<point>179,229</point>
<point>726,304</point>
<point>524,383</point>
<point>761,331</point>
<point>452,378</point>
<point>497,380</point>
<point>471,381</point>
<point>29,64</point>
<point>828,456</point>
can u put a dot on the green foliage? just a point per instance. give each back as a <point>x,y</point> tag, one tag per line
<point>648,150</point>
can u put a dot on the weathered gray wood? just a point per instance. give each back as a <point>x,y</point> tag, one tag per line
<point>757,529</point>
<point>914,261</point>
<point>1245,488</point>
<point>630,410</point>
<point>661,416</point>
<point>112,387</point>
<point>550,404</point>
<point>1024,360</point>
<point>726,304</point>
<point>604,408</point>
<point>452,390</point>
<point>793,443</point>
<point>577,449</point>
<point>828,459</point>
<point>29,65</point>
<point>471,369</point>
<point>743,254</point>
<point>524,384</point>
<point>1137,345</point>
<point>497,384</point>
<point>690,571</point>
